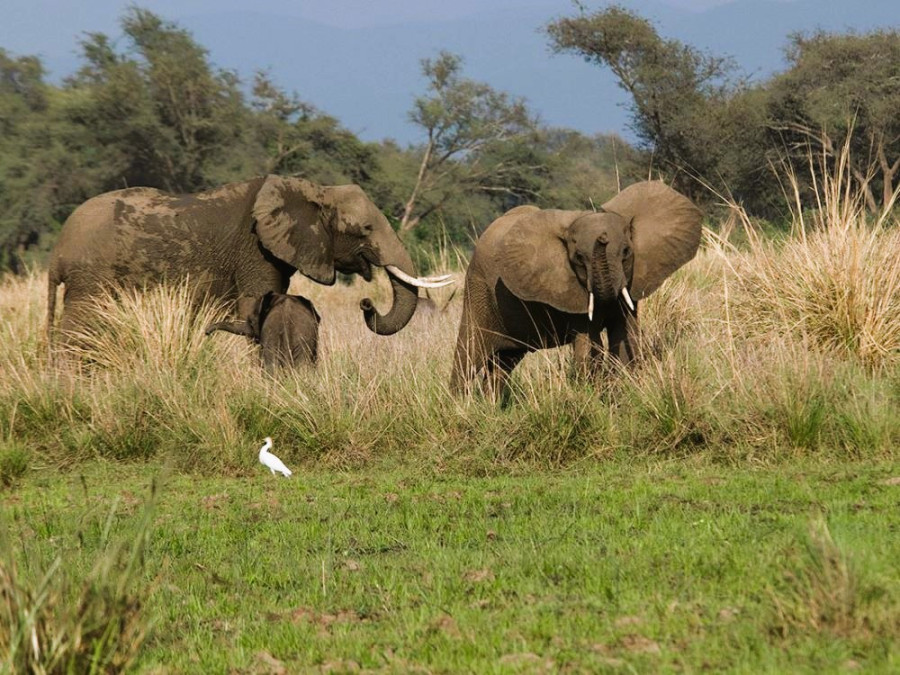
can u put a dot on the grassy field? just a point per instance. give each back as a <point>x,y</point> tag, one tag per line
<point>732,503</point>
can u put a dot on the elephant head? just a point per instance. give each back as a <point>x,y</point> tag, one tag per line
<point>320,230</point>
<point>285,326</point>
<point>602,262</point>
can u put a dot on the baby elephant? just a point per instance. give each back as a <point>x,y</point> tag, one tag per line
<point>285,326</point>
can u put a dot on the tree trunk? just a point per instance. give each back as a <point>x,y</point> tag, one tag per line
<point>408,222</point>
<point>888,173</point>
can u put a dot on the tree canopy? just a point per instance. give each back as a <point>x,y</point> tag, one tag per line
<point>843,87</point>
<point>150,109</point>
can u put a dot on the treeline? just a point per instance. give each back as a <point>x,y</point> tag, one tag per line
<point>715,131</point>
<point>152,110</point>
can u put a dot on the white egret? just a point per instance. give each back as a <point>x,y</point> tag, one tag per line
<point>269,460</point>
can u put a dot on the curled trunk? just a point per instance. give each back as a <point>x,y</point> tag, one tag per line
<point>405,297</point>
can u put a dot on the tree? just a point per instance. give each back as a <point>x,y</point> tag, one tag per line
<point>845,87</point>
<point>43,171</point>
<point>298,139</point>
<point>159,109</point>
<point>682,100</point>
<point>465,123</point>
<point>586,170</point>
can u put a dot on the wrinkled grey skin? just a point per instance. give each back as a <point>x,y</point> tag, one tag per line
<point>236,243</point>
<point>285,326</point>
<point>528,284</point>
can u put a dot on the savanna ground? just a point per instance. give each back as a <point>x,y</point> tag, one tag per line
<point>732,503</point>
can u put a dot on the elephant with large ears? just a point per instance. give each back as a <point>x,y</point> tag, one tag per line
<point>286,328</point>
<point>236,242</point>
<point>544,278</point>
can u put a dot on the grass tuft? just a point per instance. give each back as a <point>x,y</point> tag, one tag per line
<point>820,591</point>
<point>61,622</point>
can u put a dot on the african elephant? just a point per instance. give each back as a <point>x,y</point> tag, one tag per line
<point>544,278</point>
<point>286,327</point>
<point>236,242</point>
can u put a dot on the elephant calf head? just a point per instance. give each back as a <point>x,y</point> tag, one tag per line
<point>285,326</point>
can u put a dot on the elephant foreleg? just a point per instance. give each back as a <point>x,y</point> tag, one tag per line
<point>588,352</point>
<point>472,344</point>
<point>470,358</point>
<point>583,356</point>
<point>623,337</point>
<point>499,366</point>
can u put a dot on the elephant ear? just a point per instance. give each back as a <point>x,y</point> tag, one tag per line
<point>293,223</point>
<point>665,232</point>
<point>534,262</point>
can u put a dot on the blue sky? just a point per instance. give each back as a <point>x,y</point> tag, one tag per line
<point>359,60</point>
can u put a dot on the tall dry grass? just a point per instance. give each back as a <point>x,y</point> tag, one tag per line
<point>748,353</point>
<point>834,285</point>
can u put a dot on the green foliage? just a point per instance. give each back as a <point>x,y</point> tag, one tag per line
<point>14,459</point>
<point>673,86</point>
<point>711,130</point>
<point>473,142</point>
<point>842,86</point>
<point>159,110</point>
<point>55,618</point>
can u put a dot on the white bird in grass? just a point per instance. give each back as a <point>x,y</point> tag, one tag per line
<point>266,458</point>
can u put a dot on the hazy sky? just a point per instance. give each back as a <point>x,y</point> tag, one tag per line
<point>359,60</point>
<point>23,19</point>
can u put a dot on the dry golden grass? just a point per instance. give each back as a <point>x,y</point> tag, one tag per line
<point>747,352</point>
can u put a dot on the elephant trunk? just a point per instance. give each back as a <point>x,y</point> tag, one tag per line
<point>602,279</point>
<point>405,296</point>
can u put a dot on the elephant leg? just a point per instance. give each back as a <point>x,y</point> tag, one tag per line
<point>499,365</point>
<point>589,354</point>
<point>582,356</point>
<point>471,357</point>
<point>623,338</point>
<point>475,342</point>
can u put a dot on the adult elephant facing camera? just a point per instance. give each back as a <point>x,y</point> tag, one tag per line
<point>544,278</point>
<point>237,242</point>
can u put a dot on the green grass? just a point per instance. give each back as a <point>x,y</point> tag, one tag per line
<point>632,566</point>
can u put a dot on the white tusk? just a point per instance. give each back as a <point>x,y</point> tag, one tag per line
<point>442,277</point>
<point>415,281</point>
<point>627,297</point>
<point>590,306</point>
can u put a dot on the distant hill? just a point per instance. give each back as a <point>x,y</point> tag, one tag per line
<point>368,77</point>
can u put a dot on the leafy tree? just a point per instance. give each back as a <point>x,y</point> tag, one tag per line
<point>845,86</point>
<point>43,173</point>
<point>702,125</point>
<point>669,82</point>
<point>465,123</point>
<point>297,139</point>
<point>584,171</point>
<point>160,110</point>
